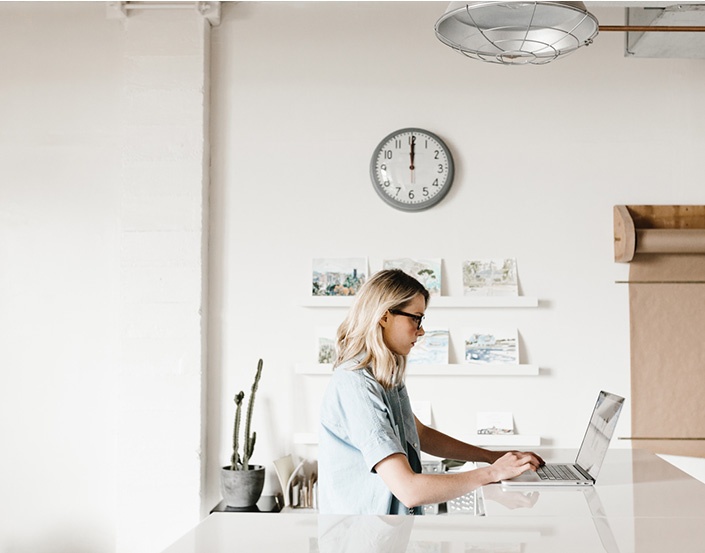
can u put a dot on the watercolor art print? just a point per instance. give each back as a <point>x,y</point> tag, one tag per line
<point>431,348</point>
<point>325,344</point>
<point>490,277</point>
<point>426,271</point>
<point>487,346</point>
<point>495,423</point>
<point>338,277</point>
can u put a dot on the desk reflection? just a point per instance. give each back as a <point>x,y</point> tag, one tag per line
<point>357,534</point>
<point>444,534</point>
<point>511,499</point>
<point>602,525</point>
<point>396,534</point>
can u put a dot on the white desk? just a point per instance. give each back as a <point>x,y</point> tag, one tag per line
<point>641,504</point>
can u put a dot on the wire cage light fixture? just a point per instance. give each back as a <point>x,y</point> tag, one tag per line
<point>516,33</point>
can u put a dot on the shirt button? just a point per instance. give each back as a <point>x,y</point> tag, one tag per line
<point>416,445</point>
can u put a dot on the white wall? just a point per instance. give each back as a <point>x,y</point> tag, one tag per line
<point>102,152</point>
<point>302,93</point>
<point>59,167</point>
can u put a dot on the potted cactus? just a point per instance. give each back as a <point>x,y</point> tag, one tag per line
<point>241,483</point>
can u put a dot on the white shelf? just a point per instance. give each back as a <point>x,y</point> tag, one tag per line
<point>437,370</point>
<point>507,440</point>
<point>466,369</point>
<point>435,302</point>
<point>483,301</point>
<point>513,440</point>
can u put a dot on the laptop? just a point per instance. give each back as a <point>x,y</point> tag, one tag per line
<point>590,455</point>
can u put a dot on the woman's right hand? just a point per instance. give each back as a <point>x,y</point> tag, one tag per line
<point>509,465</point>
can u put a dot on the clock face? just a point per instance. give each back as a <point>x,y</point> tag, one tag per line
<point>412,169</point>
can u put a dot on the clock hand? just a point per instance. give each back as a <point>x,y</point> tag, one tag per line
<point>412,154</point>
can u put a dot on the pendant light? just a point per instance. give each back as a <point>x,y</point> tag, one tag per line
<point>516,33</point>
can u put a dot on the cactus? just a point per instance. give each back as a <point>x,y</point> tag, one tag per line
<point>235,458</point>
<point>237,462</point>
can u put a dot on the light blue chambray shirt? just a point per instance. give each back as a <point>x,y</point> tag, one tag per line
<point>361,424</point>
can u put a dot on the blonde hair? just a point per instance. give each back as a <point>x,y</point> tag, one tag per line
<point>360,334</point>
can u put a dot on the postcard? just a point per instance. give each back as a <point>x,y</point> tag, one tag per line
<point>495,423</point>
<point>426,271</point>
<point>431,348</point>
<point>338,277</point>
<point>490,277</point>
<point>488,346</point>
<point>325,344</point>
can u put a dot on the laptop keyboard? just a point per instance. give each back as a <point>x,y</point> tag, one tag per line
<point>557,472</point>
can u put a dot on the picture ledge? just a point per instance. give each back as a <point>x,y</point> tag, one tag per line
<point>435,301</point>
<point>454,369</point>
<point>311,438</point>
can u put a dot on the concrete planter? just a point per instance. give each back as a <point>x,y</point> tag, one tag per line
<point>242,488</point>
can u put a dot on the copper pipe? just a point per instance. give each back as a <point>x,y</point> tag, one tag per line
<point>658,439</point>
<point>648,29</point>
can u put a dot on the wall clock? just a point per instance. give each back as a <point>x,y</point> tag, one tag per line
<point>412,169</point>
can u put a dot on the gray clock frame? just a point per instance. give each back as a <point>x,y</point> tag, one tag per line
<point>418,206</point>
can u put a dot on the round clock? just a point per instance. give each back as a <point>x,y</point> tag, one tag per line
<point>412,169</point>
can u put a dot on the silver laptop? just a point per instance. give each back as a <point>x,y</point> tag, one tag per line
<point>590,456</point>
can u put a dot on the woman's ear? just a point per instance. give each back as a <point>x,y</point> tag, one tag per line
<point>384,321</point>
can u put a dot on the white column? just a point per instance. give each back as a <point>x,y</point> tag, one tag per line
<point>163,262</point>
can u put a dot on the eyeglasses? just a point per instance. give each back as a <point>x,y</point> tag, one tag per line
<point>418,319</point>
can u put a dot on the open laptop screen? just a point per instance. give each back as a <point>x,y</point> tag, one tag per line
<point>599,432</point>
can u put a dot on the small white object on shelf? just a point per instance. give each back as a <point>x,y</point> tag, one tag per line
<point>460,369</point>
<point>286,472</point>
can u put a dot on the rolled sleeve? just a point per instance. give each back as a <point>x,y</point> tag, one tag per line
<point>361,417</point>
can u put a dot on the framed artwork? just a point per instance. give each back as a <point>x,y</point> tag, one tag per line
<point>488,346</point>
<point>338,277</point>
<point>426,271</point>
<point>490,277</point>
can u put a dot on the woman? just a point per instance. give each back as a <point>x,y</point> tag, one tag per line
<point>370,441</point>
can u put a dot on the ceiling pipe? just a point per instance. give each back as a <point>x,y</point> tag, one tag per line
<point>655,28</point>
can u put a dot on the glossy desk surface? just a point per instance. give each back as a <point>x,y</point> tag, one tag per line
<point>640,504</point>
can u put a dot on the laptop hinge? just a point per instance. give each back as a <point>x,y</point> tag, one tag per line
<point>585,474</point>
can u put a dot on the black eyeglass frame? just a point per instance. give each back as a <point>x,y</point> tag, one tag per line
<point>417,318</point>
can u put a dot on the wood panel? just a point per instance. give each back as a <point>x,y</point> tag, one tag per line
<point>665,246</point>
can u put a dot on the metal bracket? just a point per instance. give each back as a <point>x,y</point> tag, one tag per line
<point>208,10</point>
